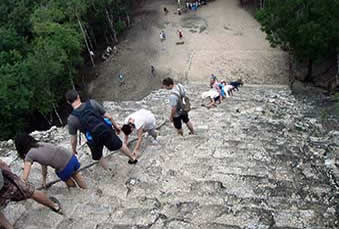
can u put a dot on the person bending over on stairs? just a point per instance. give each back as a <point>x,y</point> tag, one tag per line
<point>65,163</point>
<point>143,121</point>
<point>237,84</point>
<point>213,96</point>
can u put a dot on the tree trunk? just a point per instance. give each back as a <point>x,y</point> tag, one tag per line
<point>94,38</point>
<point>106,39</point>
<point>338,63</point>
<point>71,79</point>
<point>128,20</point>
<point>89,38</point>
<point>110,22</point>
<point>84,35</point>
<point>48,121</point>
<point>57,114</point>
<point>308,77</point>
<point>291,76</point>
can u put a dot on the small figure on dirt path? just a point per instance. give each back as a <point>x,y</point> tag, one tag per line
<point>115,50</point>
<point>180,34</point>
<point>162,35</point>
<point>152,70</point>
<point>109,50</point>
<point>121,79</point>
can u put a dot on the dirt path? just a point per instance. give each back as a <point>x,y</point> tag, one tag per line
<point>220,38</point>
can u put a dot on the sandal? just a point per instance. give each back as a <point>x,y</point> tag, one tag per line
<point>58,209</point>
<point>132,162</point>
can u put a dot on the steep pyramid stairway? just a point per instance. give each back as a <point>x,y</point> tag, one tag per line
<point>255,162</point>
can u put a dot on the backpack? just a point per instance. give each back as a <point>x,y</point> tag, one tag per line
<point>92,122</point>
<point>184,103</point>
<point>88,134</point>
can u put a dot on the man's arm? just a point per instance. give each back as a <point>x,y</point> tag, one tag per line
<point>114,124</point>
<point>173,102</point>
<point>27,170</point>
<point>44,174</point>
<point>173,110</point>
<point>126,139</point>
<point>74,143</point>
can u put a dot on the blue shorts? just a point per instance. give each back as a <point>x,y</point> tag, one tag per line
<point>72,166</point>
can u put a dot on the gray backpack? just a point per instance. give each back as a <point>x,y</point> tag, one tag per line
<point>184,103</point>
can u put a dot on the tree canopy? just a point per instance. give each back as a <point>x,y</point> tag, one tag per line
<point>309,29</point>
<point>42,44</point>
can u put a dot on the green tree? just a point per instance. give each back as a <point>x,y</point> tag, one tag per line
<point>42,46</point>
<point>309,29</point>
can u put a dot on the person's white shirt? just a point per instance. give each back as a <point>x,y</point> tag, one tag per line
<point>212,93</point>
<point>227,89</point>
<point>142,119</point>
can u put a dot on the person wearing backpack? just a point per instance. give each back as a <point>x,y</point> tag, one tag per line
<point>88,118</point>
<point>13,188</point>
<point>180,105</point>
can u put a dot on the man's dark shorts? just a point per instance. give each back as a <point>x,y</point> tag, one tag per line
<point>177,120</point>
<point>14,189</point>
<point>108,139</point>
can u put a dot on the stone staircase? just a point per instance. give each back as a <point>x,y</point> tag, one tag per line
<point>257,161</point>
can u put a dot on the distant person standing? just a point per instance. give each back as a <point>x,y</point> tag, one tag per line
<point>162,35</point>
<point>177,114</point>
<point>180,34</point>
<point>165,10</point>
<point>115,50</point>
<point>152,70</point>
<point>109,50</point>
<point>121,79</point>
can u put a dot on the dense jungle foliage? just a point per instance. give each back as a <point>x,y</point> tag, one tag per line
<point>42,45</point>
<point>309,29</point>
